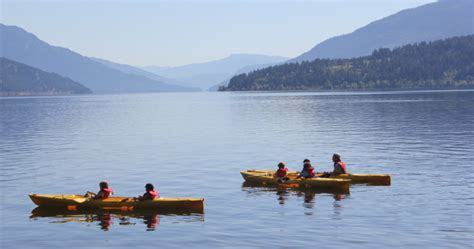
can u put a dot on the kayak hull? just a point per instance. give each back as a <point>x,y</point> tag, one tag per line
<point>372,179</point>
<point>267,178</point>
<point>73,202</point>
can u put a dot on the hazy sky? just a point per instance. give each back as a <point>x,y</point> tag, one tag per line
<point>169,33</point>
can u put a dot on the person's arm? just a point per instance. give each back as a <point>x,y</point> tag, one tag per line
<point>337,169</point>
<point>99,195</point>
<point>302,174</point>
<point>144,197</point>
<point>90,194</point>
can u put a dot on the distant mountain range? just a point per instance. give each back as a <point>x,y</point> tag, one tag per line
<point>138,71</point>
<point>439,20</point>
<point>24,47</point>
<point>17,79</point>
<point>208,74</point>
<point>246,69</point>
<point>442,64</point>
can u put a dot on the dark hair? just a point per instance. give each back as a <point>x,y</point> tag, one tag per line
<point>306,161</point>
<point>103,185</point>
<point>281,165</point>
<point>149,186</point>
<point>307,165</point>
<point>337,156</point>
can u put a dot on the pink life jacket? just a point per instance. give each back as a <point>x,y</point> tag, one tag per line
<point>105,193</point>
<point>153,194</point>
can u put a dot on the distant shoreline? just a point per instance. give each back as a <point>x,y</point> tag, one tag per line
<point>354,90</point>
<point>30,94</point>
<point>329,92</point>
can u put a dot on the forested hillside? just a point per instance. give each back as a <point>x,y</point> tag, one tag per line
<point>441,64</point>
<point>17,79</point>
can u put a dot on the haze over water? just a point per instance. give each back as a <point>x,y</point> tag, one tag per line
<point>194,145</point>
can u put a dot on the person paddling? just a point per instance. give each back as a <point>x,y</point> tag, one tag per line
<point>308,170</point>
<point>281,172</point>
<point>339,165</point>
<point>104,192</point>
<point>150,193</point>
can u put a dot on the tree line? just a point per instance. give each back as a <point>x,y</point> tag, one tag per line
<point>438,64</point>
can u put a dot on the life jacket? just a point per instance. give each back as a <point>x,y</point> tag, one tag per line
<point>153,194</point>
<point>281,172</point>
<point>311,172</point>
<point>308,173</point>
<point>343,166</point>
<point>105,193</point>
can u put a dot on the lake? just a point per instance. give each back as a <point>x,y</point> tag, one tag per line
<point>195,144</point>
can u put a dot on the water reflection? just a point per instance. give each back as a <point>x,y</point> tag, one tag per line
<point>105,218</point>
<point>309,195</point>
<point>282,196</point>
<point>337,204</point>
<point>309,198</point>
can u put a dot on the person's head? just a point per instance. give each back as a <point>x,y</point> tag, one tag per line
<point>336,158</point>
<point>307,165</point>
<point>306,161</point>
<point>103,185</point>
<point>281,165</point>
<point>149,187</point>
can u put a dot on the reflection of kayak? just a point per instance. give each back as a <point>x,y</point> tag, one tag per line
<point>316,182</point>
<point>74,202</point>
<point>105,218</point>
<point>373,179</point>
<point>64,212</point>
<point>253,187</point>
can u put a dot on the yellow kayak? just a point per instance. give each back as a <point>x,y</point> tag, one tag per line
<point>372,179</point>
<point>316,182</point>
<point>74,202</point>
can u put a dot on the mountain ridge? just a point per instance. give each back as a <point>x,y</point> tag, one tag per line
<point>433,21</point>
<point>138,71</point>
<point>441,64</point>
<point>208,74</point>
<point>25,47</point>
<point>18,79</point>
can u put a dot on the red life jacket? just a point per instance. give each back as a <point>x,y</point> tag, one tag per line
<point>281,172</point>
<point>153,194</point>
<point>311,172</point>
<point>343,166</point>
<point>105,193</point>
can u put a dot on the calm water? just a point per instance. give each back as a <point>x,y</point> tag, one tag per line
<point>195,145</point>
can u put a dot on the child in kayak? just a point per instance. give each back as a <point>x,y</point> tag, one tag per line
<point>308,170</point>
<point>150,193</point>
<point>104,192</point>
<point>281,172</point>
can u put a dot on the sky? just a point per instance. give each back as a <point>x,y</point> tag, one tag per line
<point>172,33</point>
